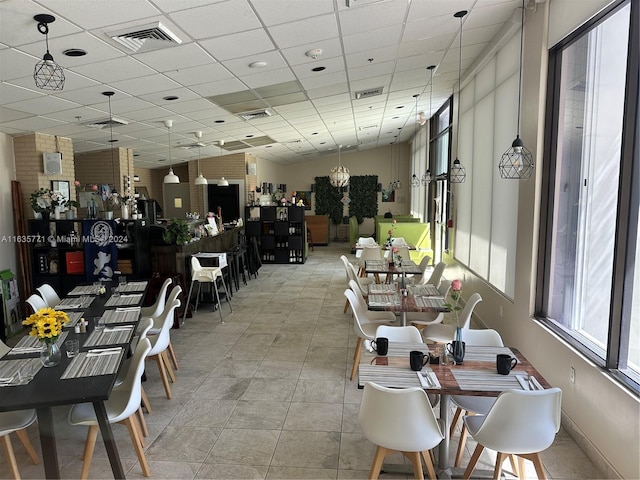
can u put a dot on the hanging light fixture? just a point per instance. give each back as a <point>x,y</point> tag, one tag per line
<point>426,178</point>
<point>200,180</point>
<point>47,74</point>
<point>339,176</point>
<point>223,182</point>
<point>457,173</point>
<point>170,177</point>
<point>114,191</point>
<point>415,181</point>
<point>517,161</point>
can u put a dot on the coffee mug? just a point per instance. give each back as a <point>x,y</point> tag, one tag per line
<point>417,360</point>
<point>380,345</point>
<point>456,350</point>
<point>505,363</point>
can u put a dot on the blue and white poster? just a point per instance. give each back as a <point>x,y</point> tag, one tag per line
<point>100,250</point>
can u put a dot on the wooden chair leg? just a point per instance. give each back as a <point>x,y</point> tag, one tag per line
<point>537,463</point>
<point>172,354</point>
<point>497,471</point>
<point>163,375</point>
<point>472,463</point>
<point>461,443</point>
<point>356,358</point>
<point>455,419</point>
<point>143,424</point>
<point>414,458</point>
<point>514,465</point>
<point>11,458</point>
<point>135,439</point>
<point>89,446</point>
<point>522,472</point>
<point>346,306</point>
<point>167,365</point>
<point>145,400</point>
<point>26,443</point>
<point>378,458</point>
<point>429,462</point>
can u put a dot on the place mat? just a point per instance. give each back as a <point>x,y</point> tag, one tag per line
<point>85,290</point>
<point>375,264</point>
<point>121,315</point>
<point>75,303</point>
<point>426,290</point>
<point>132,287</point>
<point>382,288</point>
<point>401,349</point>
<point>430,302</point>
<point>29,344</point>
<point>9,371</point>
<point>109,336</point>
<point>124,300</point>
<point>394,377</point>
<point>73,319</point>
<point>381,300</point>
<point>93,363</point>
<point>485,380</point>
<point>484,354</point>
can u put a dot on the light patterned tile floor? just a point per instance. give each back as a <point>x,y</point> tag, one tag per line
<point>264,395</point>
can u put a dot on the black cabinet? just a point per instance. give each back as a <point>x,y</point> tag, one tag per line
<point>279,231</point>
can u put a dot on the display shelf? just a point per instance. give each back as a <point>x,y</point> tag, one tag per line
<point>280,232</point>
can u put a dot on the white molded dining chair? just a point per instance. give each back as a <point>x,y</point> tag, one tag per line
<point>364,328</point>
<point>408,334</point>
<point>441,333</point>
<point>352,275</point>
<point>16,422</point>
<point>36,302</point>
<point>160,341</point>
<point>365,242</point>
<point>154,312</point>
<point>399,420</point>
<point>424,265</point>
<point>156,309</point>
<point>520,422</point>
<point>121,406</point>
<point>369,253</point>
<point>211,275</point>
<point>436,275</point>
<point>49,295</point>
<point>371,315</point>
<point>422,319</point>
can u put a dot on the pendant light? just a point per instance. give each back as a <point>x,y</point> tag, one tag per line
<point>339,176</point>
<point>517,161</point>
<point>415,181</point>
<point>457,173</point>
<point>170,177</point>
<point>114,191</point>
<point>200,180</point>
<point>223,182</point>
<point>47,74</point>
<point>426,178</point>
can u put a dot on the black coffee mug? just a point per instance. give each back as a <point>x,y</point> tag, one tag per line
<point>417,360</point>
<point>456,350</point>
<point>380,345</point>
<point>505,363</point>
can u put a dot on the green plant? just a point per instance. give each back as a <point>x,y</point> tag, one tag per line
<point>328,200</point>
<point>41,200</point>
<point>71,204</point>
<point>177,232</point>
<point>363,191</point>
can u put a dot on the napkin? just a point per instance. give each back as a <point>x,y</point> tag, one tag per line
<point>428,379</point>
<point>532,384</point>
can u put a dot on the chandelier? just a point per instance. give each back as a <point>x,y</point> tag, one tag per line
<point>339,176</point>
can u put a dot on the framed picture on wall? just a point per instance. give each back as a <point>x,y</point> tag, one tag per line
<point>305,196</point>
<point>388,195</point>
<point>61,186</point>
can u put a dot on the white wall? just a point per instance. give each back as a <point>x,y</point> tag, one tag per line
<point>7,165</point>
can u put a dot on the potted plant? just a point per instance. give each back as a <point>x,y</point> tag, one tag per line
<point>72,208</point>
<point>177,232</point>
<point>41,203</point>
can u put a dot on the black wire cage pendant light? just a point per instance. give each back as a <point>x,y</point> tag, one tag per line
<point>517,162</point>
<point>457,173</point>
<point>47,74</point>
<point>114,190</point>
<point>415,181</point>
<point>427,177</point>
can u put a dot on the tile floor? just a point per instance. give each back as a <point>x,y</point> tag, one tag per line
<point>264,395</point>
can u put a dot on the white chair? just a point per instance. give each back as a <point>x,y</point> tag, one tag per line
<point>422,319</point>
<point>364,328</point>
<point>352,275</point>
<point>211,275</point>
<point>436,274</point>
<point>160,342</point>
<point>441,333</point>
<point>16,422</point>
<point>365,241</point>
<point>408,334</point>
<point>156,309</point>
<point>36,302</point>
<point>520,422</point>
<point>472,405</point>
<point>121,407</point>
<point>399,420</point>
<point>399,242</point>
<point>371,315</point>
<point>49,295</point>
<point>424,265</point>
<point>369,253</point>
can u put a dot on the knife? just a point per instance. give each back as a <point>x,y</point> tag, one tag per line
<point>428,379</point>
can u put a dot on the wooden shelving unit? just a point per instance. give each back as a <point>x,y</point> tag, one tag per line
<point>280,232</point>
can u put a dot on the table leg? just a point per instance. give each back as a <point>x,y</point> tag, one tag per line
<point>48,443</point>
<point>443,449</point>
<point>109,441</point>
<point>403,318</point>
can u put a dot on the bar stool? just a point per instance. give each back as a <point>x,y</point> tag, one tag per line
<point>201,275</point>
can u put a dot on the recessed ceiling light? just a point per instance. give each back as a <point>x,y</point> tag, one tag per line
<point>257,64</point>
<point>75,52</point>
<point>219,121</point>
<point>112,140</point>
<point>322,143</point>
<point>170,98</point>
<point>400,106</point>
<point>318,69</point>
<point>248,136</point>
<point>268,146</point>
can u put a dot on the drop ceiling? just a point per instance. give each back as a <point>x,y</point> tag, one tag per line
<point>238,56</point>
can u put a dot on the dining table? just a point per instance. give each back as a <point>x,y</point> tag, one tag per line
<point>391,297</point>
<point>87,377</point>
<point>476,376</point>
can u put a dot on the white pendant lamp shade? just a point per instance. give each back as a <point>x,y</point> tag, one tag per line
<point>339,175</point>
<point>200,180</point>
<point>171,177</point>
<point>223,182</point>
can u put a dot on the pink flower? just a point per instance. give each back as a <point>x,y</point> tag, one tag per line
<point>456,285</point>
<point>94,187</point>
<point>395,249</point>
<point>390,232</point>
<point>76,183</point>
<point>394,221</point>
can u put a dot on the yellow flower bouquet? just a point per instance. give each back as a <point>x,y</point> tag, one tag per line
<point>46,324</point>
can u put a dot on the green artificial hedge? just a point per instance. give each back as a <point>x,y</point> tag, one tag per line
<point>328,200</point>
<point>363,192</point>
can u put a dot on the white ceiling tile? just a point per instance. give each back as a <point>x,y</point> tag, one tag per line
<point>258,80</point>
<point>42,105</point>
<point>296,55</point>
<point>332,65</point>
<point>365,41</point>
<point>38,124</point>
<point>115,69</point>
<point>242,44</point>
<point>305,31</point>
<point>100,14</point>
<point>374,17</point>
<point>21,64</point>
<point>275,12</point>
<point>175,58</point>
<point>15,93</point>
<point>240,66</point>
<point>17,26</point>
<point>8,115</point>
<point>195,75</point>
<point>145,85</point>
<point>217,19</point>
<point>97,49</point>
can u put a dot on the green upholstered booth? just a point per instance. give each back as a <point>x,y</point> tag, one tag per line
<point>416,234</point>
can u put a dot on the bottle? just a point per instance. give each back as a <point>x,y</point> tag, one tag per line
<point>83,325</point>
<point>76,329</point>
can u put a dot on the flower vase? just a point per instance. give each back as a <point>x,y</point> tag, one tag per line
<point>458,347</point>
<point>403,283</point>
<point>391,261</point>
<point>45,214</point>
<point>50,355</point>
<point>108,215</point>
<point>125,212</point>
<point>56,213</point>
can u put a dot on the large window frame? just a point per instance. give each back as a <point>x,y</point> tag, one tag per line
<point>624,270</point>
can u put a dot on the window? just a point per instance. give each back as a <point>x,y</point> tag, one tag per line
<point>589,281</point>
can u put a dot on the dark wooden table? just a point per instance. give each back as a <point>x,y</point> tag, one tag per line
<point>47,390</point>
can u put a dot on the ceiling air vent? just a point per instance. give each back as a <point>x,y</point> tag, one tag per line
<point>252,115</point>
<point>371,92</point>
<point>113,121</point>
<point>146,37</point>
